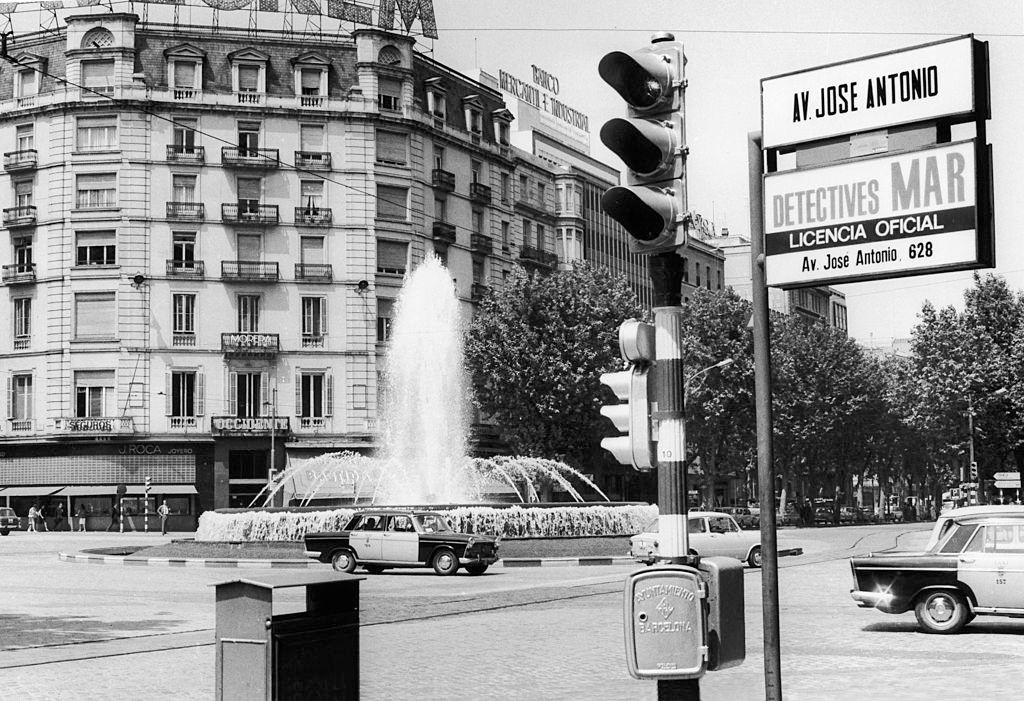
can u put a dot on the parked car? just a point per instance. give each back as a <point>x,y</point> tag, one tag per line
<point>378,539</point>
<point>744,518</point>
<point>974,568</point>
<point>9,520</point>
<point>711,534</point>
<point>850,514</point>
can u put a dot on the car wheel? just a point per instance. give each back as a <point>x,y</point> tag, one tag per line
<point>4,532</point>
<point>476,568</point>
<point>373,569</point>
<point>343,561</point>
<point>941,611</point>
<point>445,563</point>
<point>754,559</point>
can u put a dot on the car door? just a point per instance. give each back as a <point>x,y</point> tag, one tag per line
<point>365,538</point>
<point>992,565</point>
<point>726,538</point>
<point>699,537</point>
<point>400,542</point>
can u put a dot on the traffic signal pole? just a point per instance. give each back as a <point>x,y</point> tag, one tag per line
<point>763,409</point>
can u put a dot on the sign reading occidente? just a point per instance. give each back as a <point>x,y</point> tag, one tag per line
<point>921,83</point>
<point>880,217</point>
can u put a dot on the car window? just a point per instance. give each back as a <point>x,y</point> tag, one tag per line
<point>697,525</point>
<point>400,523</point>
<point>433,523</point>
<point>720,524</point>
<point>1001,539</point>
<point>372,523</point>
<point>958,538</point>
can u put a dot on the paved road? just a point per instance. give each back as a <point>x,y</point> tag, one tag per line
<point>83,631</point>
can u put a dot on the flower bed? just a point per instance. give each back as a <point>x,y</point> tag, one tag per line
<point>517,521</point>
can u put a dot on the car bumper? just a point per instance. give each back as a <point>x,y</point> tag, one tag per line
<point>872,599</point>
<point>489,560</point>
<point>316,554</point>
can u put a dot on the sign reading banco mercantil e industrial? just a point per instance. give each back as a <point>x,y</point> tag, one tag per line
<point>922,83</point>
<point>885,216</point>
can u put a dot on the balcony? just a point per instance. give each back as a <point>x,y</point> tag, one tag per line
<point>313,216</point>
<point>249,425</point>
<point>313,423</point>
<point>249,97</point>
<point>478,243</point>
<point>20,216</point>
<point>313,160</point>
<point>187,94</point>
<point>186,268</point>
<point>310,340</point>
<point>180,153</point>
<point>248,270</point>
<point>536,256</point>
<point>478,291</point>
<point>19,273</point>
<point>444,232</point>
<point>183,422</point>
<point>312,100</point>
<point>26,159</point>
<point>532,204</point>
<point>478,192</point>
<point>443,180</point>
<point>245,345</point>
<point>94,425</point>
<point>21,425</point>
<point>183,339</point>
<point>186,211</point>
<point>261,214</point>
<point>314,272</point>
<point>249,157</point>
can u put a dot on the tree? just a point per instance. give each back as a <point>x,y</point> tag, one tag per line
<point>535,351</point>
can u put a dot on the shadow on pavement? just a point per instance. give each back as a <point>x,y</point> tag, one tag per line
<point>23,631</point>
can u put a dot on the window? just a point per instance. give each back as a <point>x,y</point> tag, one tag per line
<point>249,190</point>
<point>314,392</point>
<point>475,168</point>
<point>542,193</point>
<point>246,394</point>
<point>311,137</point>
<point>98,38</point>
<point>248,313</point>
<point>478,221</point>
<point>686,270</point>
<point>24,137</point>
<point>696,269</point>
<point>185,76</point>
<point>96,248</point>
<point>94,393</point>
<point>541,242</point>
<point>27,84</point>
<point>184,306</point>
<point>392,147</point>
<point>438,157</point>
<point>23,255</point>
<point>98,76</point>
<point>96,190</point>
<point>389,94</point>
<point>185,134</point>
<point>250,247</point>
<point>22,319</point>
<point>527,232</point>
<point>392,202</point>
<point>185,394</point>
<point>311,193</point>
<point>311,81</point>
<point>524,187</point>
<point>93,314</point>
<point>250,78</point>
<point>314,317</point>
<point>20,408</point>
<point>391,257</point>
<point>478,270</point>
<point>248,138</point>
<point>504,187</point>
<point>436,99</point>
<point>504,234</point>
<point>440,209</point>
<point>385,317</point>
<point>183,188</point>
<point>707,276</point>
<point>183,246</point>
<point>311,249</point>
<point>474,121</point>
<point>23,193</point>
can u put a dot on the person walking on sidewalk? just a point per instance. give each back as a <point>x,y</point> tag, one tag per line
<point>80,515</point>
<point>33,516</point>
<point>164,513</point>
<point>115,517</point>
<point>60,519</point>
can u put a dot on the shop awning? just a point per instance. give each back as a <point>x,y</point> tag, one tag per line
<point>88,490</point>
<point>138,489</point>
<point>27,491</point>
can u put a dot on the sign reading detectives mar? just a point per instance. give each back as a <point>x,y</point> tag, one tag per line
<point>922,83</point>
<point>885,216</point>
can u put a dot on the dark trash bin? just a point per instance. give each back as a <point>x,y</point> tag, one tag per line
<point>312,654</point>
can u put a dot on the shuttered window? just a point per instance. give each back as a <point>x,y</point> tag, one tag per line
<point>311,249</point>
<point>392,202</point>
<point>249,78</point>
<point>392,257</point>
<point>98,75</point>
<point>93,314</point>
<point>314,316</point>
<point>311,137</point>
<point>314,394</point>
<point>392,147</point>
<point>185,74</point>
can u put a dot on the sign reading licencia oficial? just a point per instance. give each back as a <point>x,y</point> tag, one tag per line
<point>923,83</point>
<point>878,217</point>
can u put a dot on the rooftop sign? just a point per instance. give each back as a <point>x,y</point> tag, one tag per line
<point>923,83</point>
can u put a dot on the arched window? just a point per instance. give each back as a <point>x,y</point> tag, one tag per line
<point>98,38</point>
<point>389,56</point>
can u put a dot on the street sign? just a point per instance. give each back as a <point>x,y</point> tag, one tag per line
<point>877,217</point>
<point>1007,484</point>
<point>1006,476</point>
<point>921,83</point>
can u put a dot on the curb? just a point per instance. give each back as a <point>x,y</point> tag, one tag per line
<point>128,561</point>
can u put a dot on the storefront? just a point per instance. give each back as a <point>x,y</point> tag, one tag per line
<point>82,480</point>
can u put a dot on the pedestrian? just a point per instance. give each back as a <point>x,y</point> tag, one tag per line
<point>80,515</point>
<point>164,513</point>
<point>33,516</point>
<point>41,517</point>
<point>115,515</point>
<point>60,519</point>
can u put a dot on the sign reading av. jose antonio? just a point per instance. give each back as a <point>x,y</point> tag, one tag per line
<point>878,217</point>
<point>917,84</point>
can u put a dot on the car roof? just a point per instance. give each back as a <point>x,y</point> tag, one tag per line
<point>985,510</point>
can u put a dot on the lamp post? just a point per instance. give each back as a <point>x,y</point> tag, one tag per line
<point>273,427</point>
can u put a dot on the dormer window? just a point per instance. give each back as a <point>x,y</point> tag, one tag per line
<point>501,119</point>
<point>249,75</point>
<point>27,78</point>
<point>310,76</point>
<point>185,72</point>
<point>436,99</point>
<point>474,110</point>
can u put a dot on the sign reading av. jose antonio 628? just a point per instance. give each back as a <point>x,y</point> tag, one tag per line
<point>878,217</point>
<point>922,83</point>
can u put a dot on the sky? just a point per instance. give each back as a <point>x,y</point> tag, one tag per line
<point>730,46</point>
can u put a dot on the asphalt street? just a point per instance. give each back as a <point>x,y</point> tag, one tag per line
<point>73,630</point>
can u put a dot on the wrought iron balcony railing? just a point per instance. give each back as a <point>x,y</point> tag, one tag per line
<point>313,216</point>
<point>479,243</point>
<point>20,216</point>
<point>181,153</point>
<point>314,272</point>
<point>537,256</point>
<point>25,159</point>
<point>248,270</point>
<point>313,160</point>
<point>186,211</point>
<point>241,343</point>
<point>444,232</point>
<point>249,157</point>
<point>249,213</point>
<point>19,272</point>
<point>478,192</point>
<point>443,180</point>
<point>186,268</point>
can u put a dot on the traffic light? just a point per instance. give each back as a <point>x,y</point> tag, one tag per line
<point>636,448</point>
<point>974,472</point>
<point>651,142</point>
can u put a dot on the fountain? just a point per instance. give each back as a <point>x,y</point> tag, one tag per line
<point>424,461</point>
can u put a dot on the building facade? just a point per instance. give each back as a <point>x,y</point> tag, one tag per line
<point>206,232</point>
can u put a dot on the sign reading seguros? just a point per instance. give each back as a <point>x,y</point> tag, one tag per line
<point>879,217</point>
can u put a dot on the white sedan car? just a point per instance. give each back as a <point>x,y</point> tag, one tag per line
<point>712,534</point>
